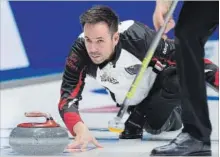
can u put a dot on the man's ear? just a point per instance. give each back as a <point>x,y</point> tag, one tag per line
<point>116,38</point>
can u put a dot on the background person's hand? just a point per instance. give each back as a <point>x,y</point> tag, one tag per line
<point>159,15</point>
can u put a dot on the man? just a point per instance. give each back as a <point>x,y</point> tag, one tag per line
<point>197,21</point>
<point>112,53</point>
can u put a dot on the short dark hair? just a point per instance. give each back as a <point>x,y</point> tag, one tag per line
<point>101,13</point>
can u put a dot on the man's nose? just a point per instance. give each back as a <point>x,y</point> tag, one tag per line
<point>93,48</point>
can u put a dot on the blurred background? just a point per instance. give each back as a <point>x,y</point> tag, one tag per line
<point>36,37</point>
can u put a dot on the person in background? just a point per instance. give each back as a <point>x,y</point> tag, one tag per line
<point>196,22</point>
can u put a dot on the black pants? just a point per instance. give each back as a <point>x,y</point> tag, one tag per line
<point>196,23</point>
<point>158,106</point>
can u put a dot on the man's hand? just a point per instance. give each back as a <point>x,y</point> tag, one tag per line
<point>83,137</point>
<point>161,9</point>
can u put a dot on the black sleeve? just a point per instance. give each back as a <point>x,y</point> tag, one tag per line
<point>165,48</point>
<point>72,84</point>
<point>138,38</point>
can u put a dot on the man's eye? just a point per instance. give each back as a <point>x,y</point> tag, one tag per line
<point>87,40</point>
<point>100,41</point>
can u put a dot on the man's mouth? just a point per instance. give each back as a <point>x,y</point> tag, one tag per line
<point>95,56</point>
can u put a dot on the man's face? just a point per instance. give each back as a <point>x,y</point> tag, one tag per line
<point>99,41</point>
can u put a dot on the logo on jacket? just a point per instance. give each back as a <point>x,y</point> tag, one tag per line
<point>133,70</point>
<point>106,78</point>
<point>72,102</point>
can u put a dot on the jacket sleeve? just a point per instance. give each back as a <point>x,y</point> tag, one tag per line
<point>165,49</point>
<point>72,85</point>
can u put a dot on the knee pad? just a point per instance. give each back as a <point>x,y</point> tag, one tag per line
<point>177,120</point>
